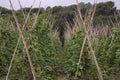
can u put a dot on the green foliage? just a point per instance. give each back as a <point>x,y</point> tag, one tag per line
<point>8,39</point>
<point>50,60</point>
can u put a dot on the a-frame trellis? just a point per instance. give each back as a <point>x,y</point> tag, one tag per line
<point>86,25</point>
<point>21,37</point>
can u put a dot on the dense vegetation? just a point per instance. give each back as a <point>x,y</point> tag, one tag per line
<point>54,55</point>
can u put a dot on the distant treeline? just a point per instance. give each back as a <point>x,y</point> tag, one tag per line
<point>102,13</point>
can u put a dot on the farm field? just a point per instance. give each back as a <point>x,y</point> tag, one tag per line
<point>75,42</point>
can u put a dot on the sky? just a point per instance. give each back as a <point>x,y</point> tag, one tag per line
<point>45,3</point>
